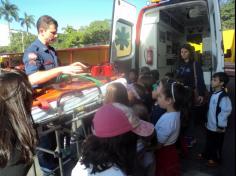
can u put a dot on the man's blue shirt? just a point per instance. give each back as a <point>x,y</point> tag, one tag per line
<point>46,57</point>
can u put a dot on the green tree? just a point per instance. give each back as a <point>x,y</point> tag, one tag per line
<point>70,38</point>
<point>228,14</point>
<point>9,12</point>
<point>27,21</point>
<point>96,32</point>
<point>16,42</point>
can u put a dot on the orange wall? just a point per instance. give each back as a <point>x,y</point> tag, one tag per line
<point>91,55</point>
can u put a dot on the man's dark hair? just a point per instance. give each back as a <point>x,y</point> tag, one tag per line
<point>223,77</point>
<point>145,70</point>
<point>44,22</point>
<point>133,70</point>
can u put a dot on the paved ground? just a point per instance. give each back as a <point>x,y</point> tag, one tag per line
<point>193,167</point>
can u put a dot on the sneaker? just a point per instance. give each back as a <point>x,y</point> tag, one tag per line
<point>47,172</point>
<point>200,156</point>
<point>191,141</point>
<point>211,163</point>
<point>194,141</point>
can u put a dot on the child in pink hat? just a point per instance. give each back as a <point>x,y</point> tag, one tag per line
<point>111,149</point>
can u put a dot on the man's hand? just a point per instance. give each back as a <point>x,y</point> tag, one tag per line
<point>74,68</point>
<point>41,77</point>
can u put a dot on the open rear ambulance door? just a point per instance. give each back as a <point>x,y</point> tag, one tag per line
<point>122,46</point>
<point>216,36</point>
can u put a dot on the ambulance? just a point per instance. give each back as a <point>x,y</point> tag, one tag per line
<point>229,51</point>
<point>155,36</point>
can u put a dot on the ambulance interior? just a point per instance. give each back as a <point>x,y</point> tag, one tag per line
<point>173,26</point>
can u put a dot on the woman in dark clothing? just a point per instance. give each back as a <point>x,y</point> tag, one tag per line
<point>190,73</point>
<point>17,136</point>
<point>185,71</point>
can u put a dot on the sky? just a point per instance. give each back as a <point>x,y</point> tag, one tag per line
<point>75,13</point>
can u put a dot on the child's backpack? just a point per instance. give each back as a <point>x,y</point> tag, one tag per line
<point>218,109</point>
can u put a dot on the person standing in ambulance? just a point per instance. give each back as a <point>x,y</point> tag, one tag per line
<point>190,73</point>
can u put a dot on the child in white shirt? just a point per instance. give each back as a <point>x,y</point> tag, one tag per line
<point>219,110</point>
<point>171,96</point>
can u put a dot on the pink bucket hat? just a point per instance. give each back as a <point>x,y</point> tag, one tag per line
<point>116,119</point>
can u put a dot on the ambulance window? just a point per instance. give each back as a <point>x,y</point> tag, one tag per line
<point>123,39</point>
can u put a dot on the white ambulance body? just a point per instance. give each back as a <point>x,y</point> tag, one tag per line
<point>155,37</point>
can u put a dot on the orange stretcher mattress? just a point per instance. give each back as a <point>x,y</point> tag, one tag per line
<point>46,95</point>
<point>80,97</point>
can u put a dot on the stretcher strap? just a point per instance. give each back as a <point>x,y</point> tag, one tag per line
<point>96,81</point>
<point>87,77</point>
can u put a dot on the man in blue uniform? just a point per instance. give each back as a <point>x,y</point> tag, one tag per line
<point>41,65</point>
<point>40,59</point>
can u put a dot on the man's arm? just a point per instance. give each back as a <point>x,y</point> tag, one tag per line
<point>40,77</point>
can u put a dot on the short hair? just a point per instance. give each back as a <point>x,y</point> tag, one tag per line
<point>146,80</point>
<point>133,70</point>
<point>223,77</point>
<point>45,21</point>
<point>116,92</point>
<point>140,91</point>
<point>145,70</point>
<point>155,74</point>
<point>141,111</point>
<point>169,75</point>
<point>103,153</point>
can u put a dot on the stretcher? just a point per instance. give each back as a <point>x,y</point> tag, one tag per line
<point>69,100</point>
<point>81,93</point>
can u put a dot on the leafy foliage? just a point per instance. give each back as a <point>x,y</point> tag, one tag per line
<point>8,11</point>
<point>27,21</point>
<point>69,39</point>
<point>19,41</point>
<point>96,32</point>
<point>228,14</point>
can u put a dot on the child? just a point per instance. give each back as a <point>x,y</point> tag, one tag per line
<point>145,70</point>
<point>146,157</point>
<point>146,80</point>
<point>116,92</point>
<point>157,111</point>
<point>136,94</point>
<point>170,97</point>
<point>155,76</point>
<point>111,149</point>
<point>17,135</point>
<point>219,110</point>
<point>133,76</point>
